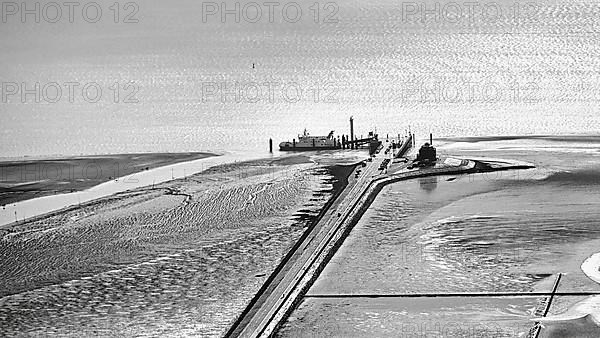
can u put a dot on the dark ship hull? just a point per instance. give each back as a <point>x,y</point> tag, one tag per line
<point>302,148</point>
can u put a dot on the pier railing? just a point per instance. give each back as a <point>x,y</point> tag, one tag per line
<point>406,145</point>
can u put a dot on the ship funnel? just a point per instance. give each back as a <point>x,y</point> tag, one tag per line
<point>352,131</point>
<point>431,139</point>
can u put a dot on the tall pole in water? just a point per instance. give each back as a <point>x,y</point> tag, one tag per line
<point>431,139</point>
<point>352,131</point>
<point>270,145</point>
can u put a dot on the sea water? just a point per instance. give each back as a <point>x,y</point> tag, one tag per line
<point>172,78</point>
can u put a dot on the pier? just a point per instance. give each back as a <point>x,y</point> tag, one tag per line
<point>288,284</point>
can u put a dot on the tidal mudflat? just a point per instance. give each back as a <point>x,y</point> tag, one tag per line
<point>182,257</point>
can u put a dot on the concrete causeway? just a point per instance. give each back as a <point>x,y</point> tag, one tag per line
<point>287,285</point>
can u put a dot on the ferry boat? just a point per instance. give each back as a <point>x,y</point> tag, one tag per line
<point>307,142</point>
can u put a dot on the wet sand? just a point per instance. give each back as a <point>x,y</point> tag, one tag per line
<point>183,257</point>
<point>506,231</point>
<point>26,179</point>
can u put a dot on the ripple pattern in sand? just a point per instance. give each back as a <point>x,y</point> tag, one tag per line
<point>177,261</point>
